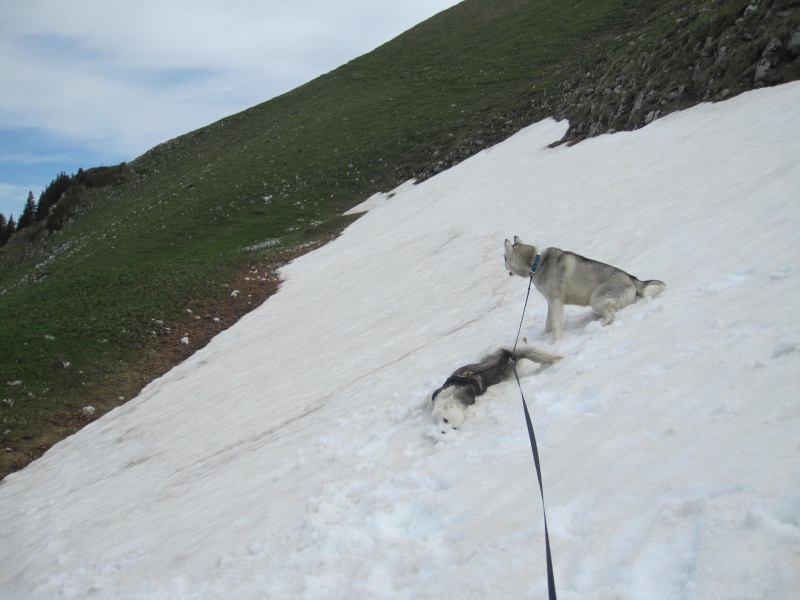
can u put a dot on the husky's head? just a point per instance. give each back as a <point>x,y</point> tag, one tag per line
<point>448,411</point>
<point>519,257</point>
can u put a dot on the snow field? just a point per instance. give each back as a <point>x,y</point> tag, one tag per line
<point>295,455</point>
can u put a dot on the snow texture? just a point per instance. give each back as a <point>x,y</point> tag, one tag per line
<point>295,456</point>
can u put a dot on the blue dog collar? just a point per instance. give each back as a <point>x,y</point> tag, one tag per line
<point>535,265</point>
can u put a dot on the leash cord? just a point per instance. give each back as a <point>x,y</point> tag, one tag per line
<point>519,329</point>
<point>551,583</point>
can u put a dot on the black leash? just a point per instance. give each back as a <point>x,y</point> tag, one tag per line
<point>551,582</point>
<point>519,329</point>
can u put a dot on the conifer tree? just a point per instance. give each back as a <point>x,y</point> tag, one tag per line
<point>7,229</point>
<point>3,225</point>
<point>28,213</point>
<point>52,194</point>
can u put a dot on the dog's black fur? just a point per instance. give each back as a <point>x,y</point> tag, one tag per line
<point>470,381</point>
<point>475,378</point>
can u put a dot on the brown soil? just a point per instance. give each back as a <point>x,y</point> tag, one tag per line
<point>247,289</point>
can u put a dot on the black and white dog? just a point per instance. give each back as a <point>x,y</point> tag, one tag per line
<point>466,383</point>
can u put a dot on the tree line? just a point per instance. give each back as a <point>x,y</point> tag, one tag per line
<point>34,211</point>
<point>52,206</point>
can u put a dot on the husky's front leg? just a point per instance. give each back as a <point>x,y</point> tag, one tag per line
<point>555,316</point>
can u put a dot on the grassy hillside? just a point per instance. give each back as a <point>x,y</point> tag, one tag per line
<point>156,250</point>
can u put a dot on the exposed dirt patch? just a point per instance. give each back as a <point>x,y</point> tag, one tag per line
<point>172,343</point>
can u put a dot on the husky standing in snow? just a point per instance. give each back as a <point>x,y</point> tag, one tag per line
<point>470,381</point>
<point>567,278</point>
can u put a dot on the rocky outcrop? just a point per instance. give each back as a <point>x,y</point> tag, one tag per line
<point>705,53</point>
<point>701,60</point>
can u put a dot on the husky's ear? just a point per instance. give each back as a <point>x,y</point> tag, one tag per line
<point>517,240</point>
<point>508,246</point>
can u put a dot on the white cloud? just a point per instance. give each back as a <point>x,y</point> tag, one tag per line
<point>125,76</point>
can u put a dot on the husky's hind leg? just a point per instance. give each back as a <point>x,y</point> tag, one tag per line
<point>607,300</point>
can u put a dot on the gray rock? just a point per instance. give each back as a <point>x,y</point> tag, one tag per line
<point>652,116</point>
<point>637,105</point>
<point>794,44</point>
<point>761,70</point>
<point>773,45</point>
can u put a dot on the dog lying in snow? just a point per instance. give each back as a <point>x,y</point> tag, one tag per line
<point>470,381</point>
<point>568,278</point>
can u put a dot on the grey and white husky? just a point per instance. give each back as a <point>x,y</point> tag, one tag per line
<point>466,383</point>
<point>567,278</point>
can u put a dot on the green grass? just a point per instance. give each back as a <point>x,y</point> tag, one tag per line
<point>166,231</point>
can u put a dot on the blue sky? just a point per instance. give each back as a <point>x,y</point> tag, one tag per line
<point>92,83</point>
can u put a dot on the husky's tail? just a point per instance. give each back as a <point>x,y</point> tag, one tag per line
<point>648,289</point>
<point>536,355</point>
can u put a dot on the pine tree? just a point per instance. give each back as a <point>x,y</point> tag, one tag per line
<point>42,208</point>
<point>3,225</point>
<point>7,230</point>
<point>28,213</point>
<point>52,194</point>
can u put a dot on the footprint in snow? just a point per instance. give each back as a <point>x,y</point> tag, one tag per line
<point>780,274</point>
<point>786,346</point>
<point>738,277</point>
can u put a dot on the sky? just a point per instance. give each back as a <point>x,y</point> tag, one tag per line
<point>295,456</point>
<point>94,82</point>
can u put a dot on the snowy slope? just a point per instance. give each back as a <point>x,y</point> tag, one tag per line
<point>295,457</point>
